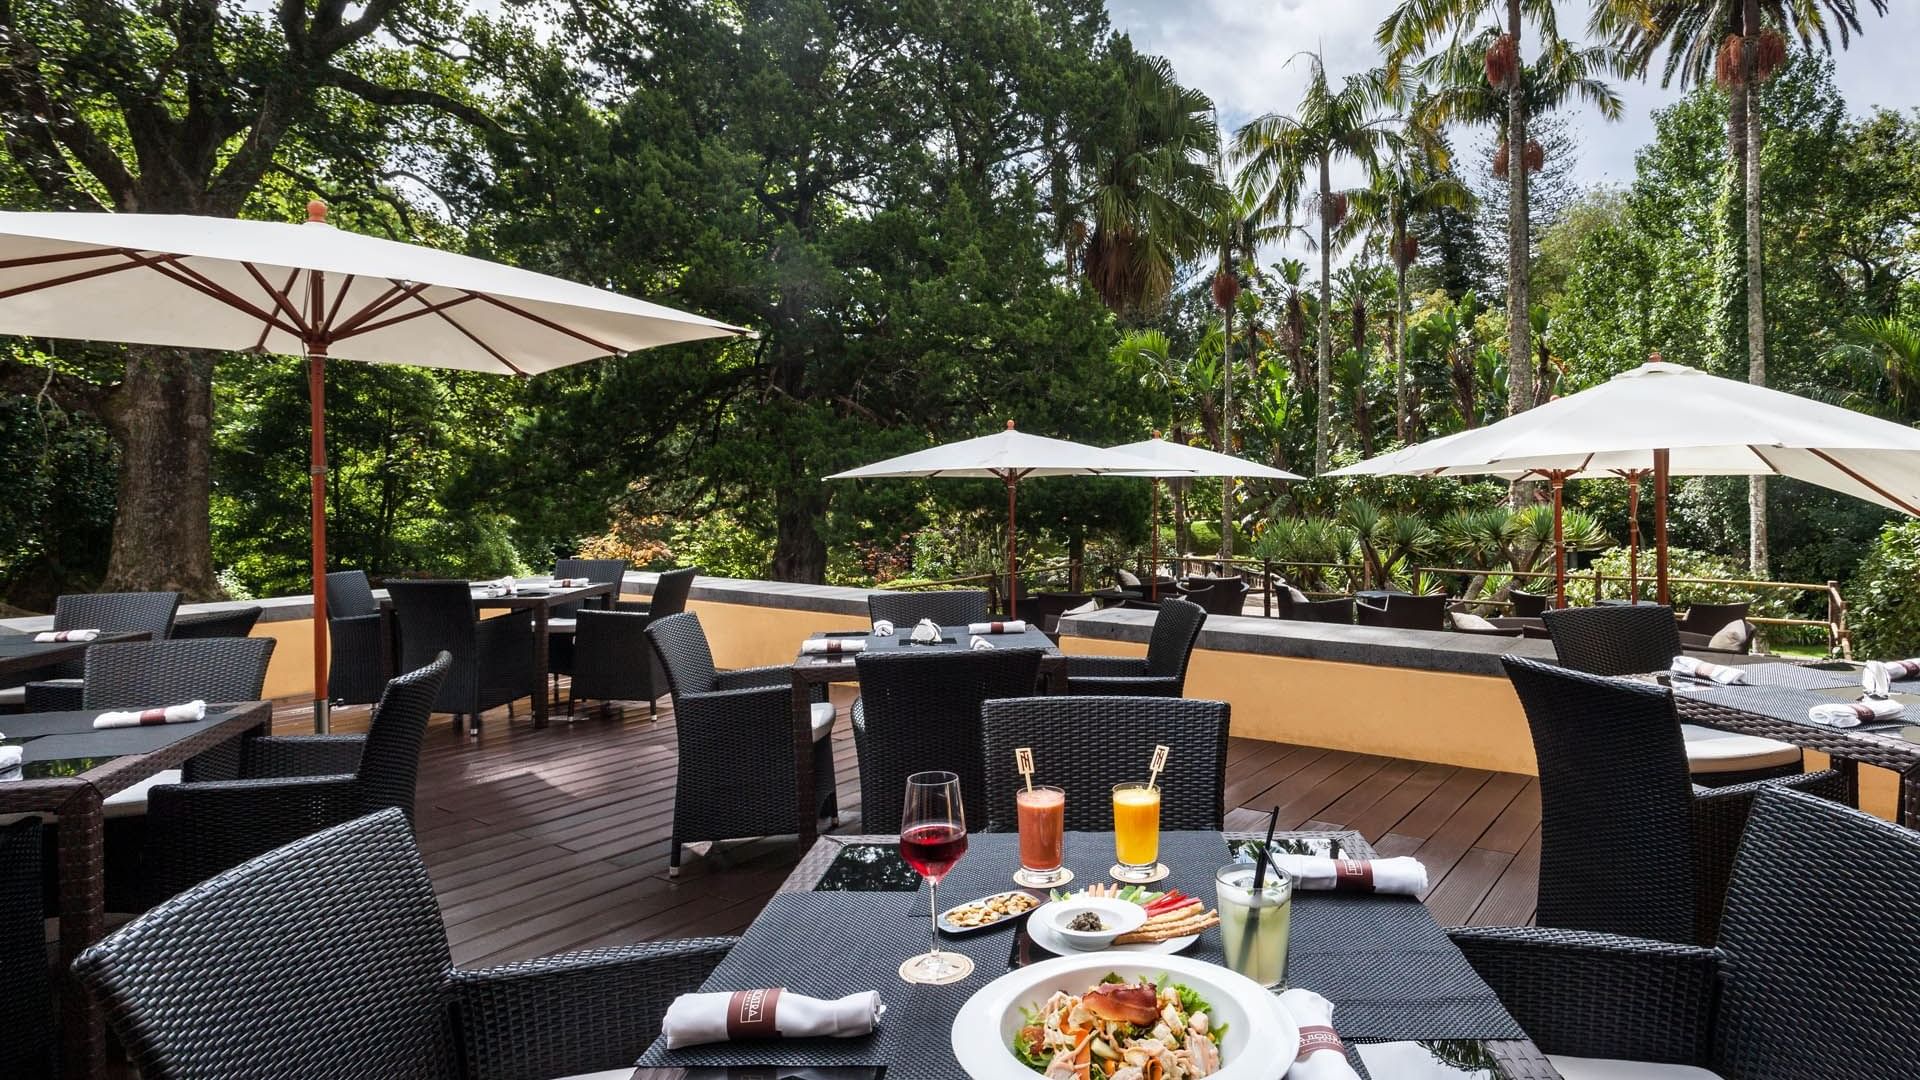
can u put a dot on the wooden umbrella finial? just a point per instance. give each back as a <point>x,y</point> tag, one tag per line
<point>1009,425</point>
<point>1654,357</point>
<point>316,212</point>
<point>1156,433</point>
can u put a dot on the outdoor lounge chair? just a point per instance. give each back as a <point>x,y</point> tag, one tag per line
<point>669,596</point>
<point>735,731</point>
<point>1085,745</point>
<point>290,787</point>
<point>947,607</point>
<point>358,666</point>
<point>1817,961</point>
<point>1161,673</point>
<point>328,958</point>
<point>1627,844</point>
<point>921,711</point>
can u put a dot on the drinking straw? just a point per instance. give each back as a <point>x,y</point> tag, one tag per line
<point>1252,932</point>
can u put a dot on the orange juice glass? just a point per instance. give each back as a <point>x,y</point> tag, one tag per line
<point>1136,830</point>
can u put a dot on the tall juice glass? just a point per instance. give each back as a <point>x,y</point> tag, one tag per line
<point>1042,814</point>
<point>1254,926</point>
<point>1136,831</point>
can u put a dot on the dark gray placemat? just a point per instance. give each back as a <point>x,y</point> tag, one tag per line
<point>831,944</point>
<point>1804,678</point>
<point>1778,702</point>
<point>115,742</point>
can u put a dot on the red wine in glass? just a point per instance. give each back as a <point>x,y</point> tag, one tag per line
<point>933,836</point>
<point>933,849</point>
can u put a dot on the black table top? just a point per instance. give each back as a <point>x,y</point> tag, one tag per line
<point>67,743</point>
<point>21,656</point>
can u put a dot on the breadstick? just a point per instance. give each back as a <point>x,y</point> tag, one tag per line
<point>1149,935</point>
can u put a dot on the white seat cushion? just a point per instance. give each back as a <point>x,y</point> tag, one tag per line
<point>13,695</point>
<point>133,801</point>
<point>1467,620</point>
<point>823,715</point>
<point>610,1074</point>
<point>561,626</point>
<point>1730,637</point>
<point>1576,1068</point>
<point>1710,750</point>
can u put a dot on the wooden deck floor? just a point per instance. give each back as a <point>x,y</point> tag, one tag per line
<point>540,841</point>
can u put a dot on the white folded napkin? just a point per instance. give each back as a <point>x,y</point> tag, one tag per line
<point>172,714</point>
<point>65,635</point>
<point>571,582</point>
<point>10,762</point>
<point>694,1019</point>
<point>1322,1055</point>
<point>882,628</point>
<point>1724,674</point>
<point>926,632</point>
<point>1017,626</point>
<point>1844,714</point>
<point>502,585</point>
<point>1876,679</point>
<point>976,642</point>
<point>1403,876</point>
<point>832,645</point>
<point>1903,669</point>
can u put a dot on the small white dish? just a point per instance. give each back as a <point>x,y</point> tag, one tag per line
<point>1116,917</point>
<point>1043,936</point>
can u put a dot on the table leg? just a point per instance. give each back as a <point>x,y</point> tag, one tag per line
<point>540,673</point>
<point>83,920</point>
<point>809,806</point>
<point>1849,771</point>
<point>1908,812</point>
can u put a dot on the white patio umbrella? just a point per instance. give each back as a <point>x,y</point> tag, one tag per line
<point>1178,460</point>
<point>314,291</point>
<point>1008,456</point>
<point>1668,419</point>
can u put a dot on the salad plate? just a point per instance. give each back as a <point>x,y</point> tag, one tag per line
<point>1248,1032</point>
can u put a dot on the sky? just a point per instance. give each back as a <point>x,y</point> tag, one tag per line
<point>1238,51</point>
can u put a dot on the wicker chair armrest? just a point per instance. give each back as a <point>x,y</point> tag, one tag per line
<point>354,623</point>
<point>743,697</point>
<point>1600,995</point>
<point>1105,666</point>
<point>578,1012</point>
<point>504,630</point>
<point>1137,685</point>
<point>644,607</point>
<point>745,678</point>
<point>275,756</point>
<point>195,831</point>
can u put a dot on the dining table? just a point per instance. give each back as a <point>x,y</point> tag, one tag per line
<point>21,657</point>
<point>68,769</point>
<point>1406,1002</point>
<point>538,595</point>
<point>1773,704</point>
<point>812,670</point>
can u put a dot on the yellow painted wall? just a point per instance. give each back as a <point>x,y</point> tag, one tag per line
<point>290,672</point>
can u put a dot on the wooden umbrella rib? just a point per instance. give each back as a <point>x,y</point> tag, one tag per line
<point>1875,488</point>
<point>424,309</point>
<point>395,295</point>
<point>339,298</point>
<point>279,296</point>
<point>171,266</point>
<point>68,279</point>
<point>65,256</point>
<point>475,338</point>
<point>546,322</point>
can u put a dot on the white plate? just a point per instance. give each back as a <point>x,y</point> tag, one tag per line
<point>1040,929</point>
<point>1119,916</point>
<point>1260,1043</point>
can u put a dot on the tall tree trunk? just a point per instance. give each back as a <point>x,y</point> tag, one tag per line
<point>798,552</point>
<point>1323,368</point>
<point>1519,243</point>
<point>161,530</point>
<point>1402,401</point>
<point>1756,310</point>
<point>1226,440</point>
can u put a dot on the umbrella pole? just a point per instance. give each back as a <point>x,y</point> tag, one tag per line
<point>1013,586</point>
<point>1660,526</point>
<point>1559,544</point>
<point>1153,567</point>
<point>1633,536</point>
<point>317,473</point>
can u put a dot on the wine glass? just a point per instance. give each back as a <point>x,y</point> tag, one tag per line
<point>933,836</point>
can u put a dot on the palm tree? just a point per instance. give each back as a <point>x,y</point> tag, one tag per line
<point>1276,154</point>
<point>1292,272</point>
<point>1151,191</point>
<point>1413,29</point>
<point>1740,42</point>
<point>1886,352</point>
<point>1415,181</point>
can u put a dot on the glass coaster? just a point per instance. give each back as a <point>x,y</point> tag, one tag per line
<point>1031,881</point>
<point>1121,873</point>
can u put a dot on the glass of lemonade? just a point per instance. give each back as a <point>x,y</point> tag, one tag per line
<point>1136,831</point>
<point>1254,926</point>
<point>1042,812</point>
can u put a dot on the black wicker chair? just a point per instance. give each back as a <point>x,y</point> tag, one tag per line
<point>669,596</point>
<point>1044,609</point>
<point>1614,640</point>
<point>1528,605</point>
<point>358,664</point>
<point>948,607</point>
<point>560,618</point>
<point>1405,611</point>
<point>735,728</point>
<point>26,990</point>
<point>611,659</point>
<point>144,674</point>
<point>150,613</point>
<point>1085,745</point>
<point>235,622</point>
<point>328,958</point>
<point>1815,975</point>
<point>492,658</point>
<point>1701,622</point>
<point>290,787</point>
<point>1338,610</point>
<point>1627,844</point>
<point>1162,672</point>
<point>918,712</point>
<point>1219,595</point>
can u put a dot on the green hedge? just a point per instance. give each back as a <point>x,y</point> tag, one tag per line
<point>1883,600</point>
